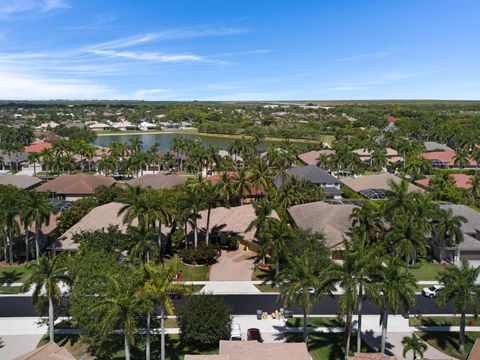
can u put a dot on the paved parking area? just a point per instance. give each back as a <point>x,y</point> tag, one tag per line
<point>235,265</point>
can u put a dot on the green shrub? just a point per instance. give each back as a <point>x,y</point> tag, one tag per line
<point>203,254</point>
<point>233,242</point>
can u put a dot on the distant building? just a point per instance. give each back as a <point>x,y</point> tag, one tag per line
<point>157,181</point>
<point>435,146</point>
<point>20,181</point>
<point>461,181</point>
<point>98,126</point>
<point>445,159</point>
<point>37,147</point>
<point>144,125</point>
<point>124,126</point>
<point>310,158</point>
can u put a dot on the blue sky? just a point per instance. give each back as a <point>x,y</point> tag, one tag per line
<point>239,49</point>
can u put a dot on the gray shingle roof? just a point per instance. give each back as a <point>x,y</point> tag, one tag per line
<point>311,173</point>
<point>19,181</point>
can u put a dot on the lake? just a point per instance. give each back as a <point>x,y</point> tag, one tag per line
<point>163,140</point>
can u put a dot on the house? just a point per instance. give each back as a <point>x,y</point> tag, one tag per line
<point>365,155</point>
<point>317,176</point>
<point>461,181</point>
<point>253,350</point>
<point>310,158</point>
<point>469,248</point>
<point>20,181</point>
<point>98,126</point>
<point>50,351</point>
<point>445,159</point>
<point>37,147</point>
<point>332,218</point>
<point>435,146</point>
<point>124,126</point>
<point>75,186</point>
<point>251,194</point>
<point>101,217</point>
<point>374,187</point>
<point>144,125</point>
<point>12,161</point>
<point>185,125</point>
<point>157,181</point>
<point>47,125</point>
<point>236,158</point>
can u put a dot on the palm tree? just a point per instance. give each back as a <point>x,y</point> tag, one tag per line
<point>461,158</point>
<point>305,271</point>
<point>153,291</point>
<point>144,247</point>
<point>211,198</point>
<point>45,274</point>
<point>276,239</point>
<point>9,210</point>
<point>474,182</point>
<point>407,239</point>
<point>398,199</point>
<point>242,184</point>
<point>415,344</point>
<point>462,290</point>
<point>323,161</point>
<point>447,229</point>
<point>226,187</point>
<point>118,308</point>
<point>34,158</point>
<point>367,220</point>
<point>135,145</point>
<point>37,211</point>
<point>395,289</point>
<point>261,175</point>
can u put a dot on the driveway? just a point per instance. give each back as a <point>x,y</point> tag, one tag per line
<point>235,265</point>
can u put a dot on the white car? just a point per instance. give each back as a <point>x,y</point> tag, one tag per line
<point>432,291</point>
<point>236,333</point>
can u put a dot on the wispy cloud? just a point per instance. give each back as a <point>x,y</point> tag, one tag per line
<point>9,8</point>
<point>150,56</point>
<point>98,21</point>
<point>373,55</point>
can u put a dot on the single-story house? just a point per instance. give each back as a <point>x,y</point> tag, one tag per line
<point>37,147</point>
<point>238,159</point>
<point>254,350</point>
<point>374,187</point>
<point>435,146</point>
<point>50,351</point>
<point>366,156</point>
<point>20,181</point>
<point>445,159</point>
<point>332,218</point>
<point>461,181</point>
<point>157,181</point>
<point>101,217</point>
<point>98,126</point>
<point>469,248</point>
<point>310,158</point>
<point>75,186</point>
<point>124,126</point>
<point>144,125</point>
<point>14,160</point>
<point>317,176</point>
<point>47,125</point>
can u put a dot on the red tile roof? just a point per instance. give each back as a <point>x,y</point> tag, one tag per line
<point>461,181</point>
<point>391,119</point>
<point>37,147</point>
<point>447,157</point>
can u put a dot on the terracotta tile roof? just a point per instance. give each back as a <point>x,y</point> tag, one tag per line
<point>370,356</point>
<point>378,181</point>
<point>447,157</point>
<point>76,184</point>
<point>310,158</point>
<point>156,181</point>
<point>253,350</point>
<point>37,147</point>
<point>392,119</point>
<point>461,181</point>
<point>50,351</point>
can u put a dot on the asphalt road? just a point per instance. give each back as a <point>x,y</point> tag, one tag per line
<point>21,306</point>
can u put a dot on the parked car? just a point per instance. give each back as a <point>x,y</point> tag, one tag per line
<point>432,291</point>
<point>311,290</point>
<point>236,333</point>
<point>253,334</point>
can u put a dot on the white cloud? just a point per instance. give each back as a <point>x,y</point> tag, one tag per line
<point>373,55</point>
<point>10,8</point>
<point>24,86</point>
<point>149,56</point>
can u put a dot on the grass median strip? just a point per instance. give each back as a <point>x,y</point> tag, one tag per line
<point>447,342</point>
<point>443,321</point>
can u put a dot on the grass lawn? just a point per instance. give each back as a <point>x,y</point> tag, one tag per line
<point>191,273</point>
<point>267,288</point>
<point>10,289</point>
<point>12,274</point>
<point>442,321</point>
<point>447,342</point>
<point>264,275</point>
<point>316,322</point>
<point>425,270</point>
<point>326,346</point>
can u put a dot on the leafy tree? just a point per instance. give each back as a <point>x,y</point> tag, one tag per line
<point>75,213</point>
<point>36,210</point>
<point>462,290</point>
<point>204,320</point>
<point>415,344</point>
<point>46,273</point>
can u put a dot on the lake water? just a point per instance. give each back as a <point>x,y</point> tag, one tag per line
<point>163,140</point>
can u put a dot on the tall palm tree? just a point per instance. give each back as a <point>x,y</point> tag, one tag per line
<point>242,184</point>
<point>261,175</point>
<point>447,229</point>
<point>398,199</point>
<point>367,220</point>
<point>474,183</point>
<point>34,158</point>
<point>211,198</point>
<point>396,290</point>
<point>226,187</point>
<point>415,344</point>
<point>9,210</point>
<point>143,247</point>
<point>462,290</point>
<point>153,291</point>
<point>37,210</point>
<point>118,309</point>
<point>461,158</point>
<point>47,273</point>
<point>304,272</point>
<point>323,161</point>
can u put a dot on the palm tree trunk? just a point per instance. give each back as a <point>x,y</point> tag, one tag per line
<point>147,345</point>
<point>185,235</point>
<point>442,250</point>
<point>159,237</point>
<point>277,269</point>
<point>348,332</point>
<point>37,238</point>
<point>34,169</point>
<point>407,260</point>
<point>384,331</point>
<point>50,319</point>
<point>162,336</point>
<point>461,334</point>
<point>26,242</point>
<point>208,226</point>
<point>305,324</point>
<point>10,247</point>
<point>359,312</point>
<point>195,234</point>
<point>127,346</point>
